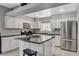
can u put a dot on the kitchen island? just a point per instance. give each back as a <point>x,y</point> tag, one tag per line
<point>37,42</point>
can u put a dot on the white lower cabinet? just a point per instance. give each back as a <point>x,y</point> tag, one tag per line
<point>44,49</point>
<point>21,47</point>
<point>9,43</point>
<point>48,48</point>
<point>38,48</point>
<point>14,43</point>
<point>6,44</point>
<point>57,40</point>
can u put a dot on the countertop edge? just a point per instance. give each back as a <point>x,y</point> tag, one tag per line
<point>21,35</point>
<point>38,42</point>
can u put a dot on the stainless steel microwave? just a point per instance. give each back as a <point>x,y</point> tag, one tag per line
<point>26,25</point>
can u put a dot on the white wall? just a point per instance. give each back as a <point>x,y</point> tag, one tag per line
<point>35,23</point>
<point>45,27</point>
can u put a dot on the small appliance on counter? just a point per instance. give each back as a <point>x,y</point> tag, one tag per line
<point>26,28</point>
<point>69,35</point>
<point>27,32</point>
<point>26,25</point>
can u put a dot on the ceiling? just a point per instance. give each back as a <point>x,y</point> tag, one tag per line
<point>10,5</point>
<point>33,7</point>
<point>54,11</point>
<point>43,10</point>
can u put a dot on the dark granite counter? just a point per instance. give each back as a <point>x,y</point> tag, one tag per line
<point>36,38</point>
<point>53,33</point>
<point>49,33</point>
<point>10,35</point>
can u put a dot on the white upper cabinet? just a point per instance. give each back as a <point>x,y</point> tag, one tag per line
<point>14,22</point>
<point>9,22</point>
<point>18,23</point>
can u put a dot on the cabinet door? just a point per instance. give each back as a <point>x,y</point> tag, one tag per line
<point>48,48</point>
<point>57,40</point>
<point>6,44</point>
<point>17,22</point>
<point>22,46</point>
<point>20,23</point>
<point>13,22</point>
<point>14,43</point>
<point>9,43</point>
<point>16,25</point>
<point>9,22</point>
<point>38,48</point>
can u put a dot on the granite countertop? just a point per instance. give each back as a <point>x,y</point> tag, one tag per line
<point>10,35</point>
<point>36,38</point>
<point>49,33</point>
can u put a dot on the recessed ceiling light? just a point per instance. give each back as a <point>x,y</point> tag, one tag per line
<point>61,10</point>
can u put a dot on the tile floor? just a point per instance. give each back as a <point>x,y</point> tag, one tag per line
<point>58,52</point>
<point>14,52</point>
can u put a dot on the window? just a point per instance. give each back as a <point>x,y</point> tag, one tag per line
<point>46,27</point>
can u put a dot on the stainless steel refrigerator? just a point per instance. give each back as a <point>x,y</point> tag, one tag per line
<point>69,35</point>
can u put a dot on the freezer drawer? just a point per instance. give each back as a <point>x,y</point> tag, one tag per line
<point>69,44</point>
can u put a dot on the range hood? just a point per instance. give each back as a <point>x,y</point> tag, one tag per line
<point>32,7</point>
